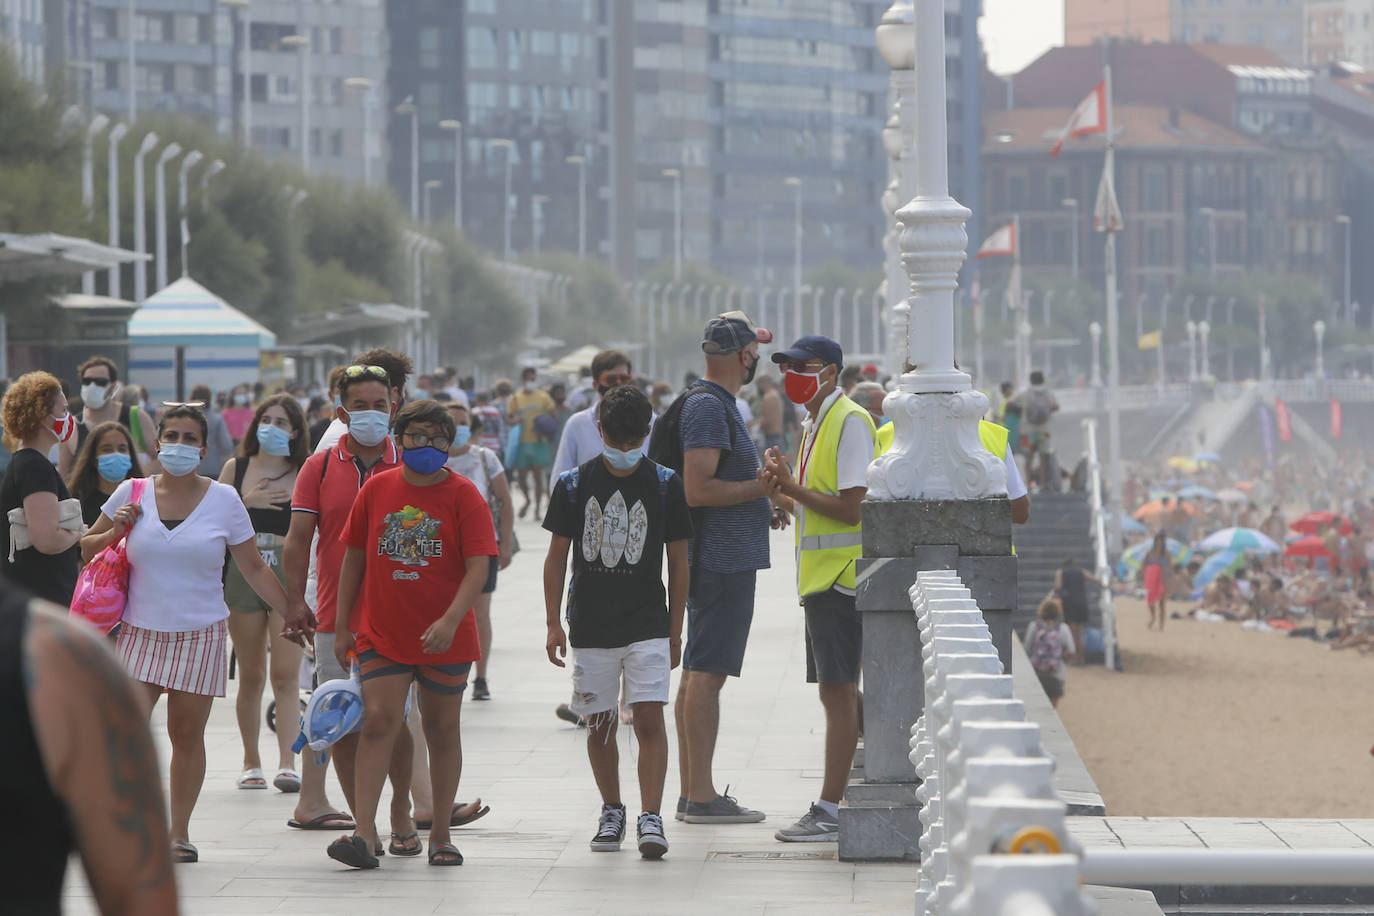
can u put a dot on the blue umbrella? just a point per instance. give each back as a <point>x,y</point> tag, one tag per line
<point>1131,526</point>
<point>1225,562</point>
<point>1192,491</point>
<point>1241,539</point>
<point>1134,556</point>
<point>1207,458</point>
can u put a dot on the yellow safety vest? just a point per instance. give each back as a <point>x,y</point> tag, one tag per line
<point>826,548</point>
<point>993,437</point>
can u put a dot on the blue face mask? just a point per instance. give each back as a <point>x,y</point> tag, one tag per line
<point>178,458</point>
<point>424,460</point>
<point>274,440</point>
<point>369,427</point>
<point>461,436</point>
<point>114,467</point>
<point>623,461</point>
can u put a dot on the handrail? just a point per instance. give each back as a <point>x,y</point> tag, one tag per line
<point>1101,567</point>
<point>1145,867</point>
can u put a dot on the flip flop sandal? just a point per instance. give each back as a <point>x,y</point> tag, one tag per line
<point>183,853</point>
<point>332,820</point>
<point>352,851</point>
<point>445,854</point>
<point>456,820</point>
<point>247,777</point>
<point>288,781</point>
<point>396,849</point>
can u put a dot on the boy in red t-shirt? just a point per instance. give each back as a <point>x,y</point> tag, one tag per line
<point>418,540</point>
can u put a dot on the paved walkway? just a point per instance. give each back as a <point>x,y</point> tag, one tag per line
<point>530,854</point>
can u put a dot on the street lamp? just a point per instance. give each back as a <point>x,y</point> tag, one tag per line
<point>430,185</point>
<point>581,163</point>
<point>140,229</point>
<point>795,184</point>
<point>509,147</point>
<point>169,152</point>
<point>244,10</point>
<point>676,175</point>
<point>537,202</point>
<point>1159,354</point>
<point>193,157</point>
<point>896,40</point>
<point>112,201</point>
<point>1319,329</point>
<point>1231,339</point>
<point>1071,203</point>
<point>1203,330</point>
<point>302,45</point>
<point>408,109</point>
<point>1191,328</point>
<point>365,86</point>
<point>457,128</point>
<point>1344,220</point>
<point>1211,215</point>
<point>211,171</point>
<point>133,71</point>
<point>97,124</point>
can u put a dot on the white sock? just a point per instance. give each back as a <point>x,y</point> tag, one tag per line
<point>830,808</point>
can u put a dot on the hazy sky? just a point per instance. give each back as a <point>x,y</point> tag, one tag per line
<point>1016,32</point>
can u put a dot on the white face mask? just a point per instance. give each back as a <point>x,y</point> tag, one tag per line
<point>95,396</point>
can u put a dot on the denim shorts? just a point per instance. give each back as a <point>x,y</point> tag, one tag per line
<point>834,638</point>
<point>720,609</point>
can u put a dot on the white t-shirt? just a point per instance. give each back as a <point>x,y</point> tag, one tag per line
<point>746,413</point>
<point>855,451</point>
<point>479,465</point>
<point>175,576</point>
<point>580,443</point>
<point>1016,487</point>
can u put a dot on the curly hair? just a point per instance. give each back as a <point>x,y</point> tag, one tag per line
<point>85,474</point>
<point>300,445</point>
<point>27,406</point>
<point>397,365</point>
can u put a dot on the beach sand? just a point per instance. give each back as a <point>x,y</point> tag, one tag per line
<point>1211,720</point>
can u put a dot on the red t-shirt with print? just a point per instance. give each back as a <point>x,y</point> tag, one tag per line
<point>416,542</point>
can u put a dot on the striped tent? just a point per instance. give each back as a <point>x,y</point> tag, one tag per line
<point>223,346</point>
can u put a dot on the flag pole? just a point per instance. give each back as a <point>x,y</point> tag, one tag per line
<point>1018,316</point>
<point>1113,336</point>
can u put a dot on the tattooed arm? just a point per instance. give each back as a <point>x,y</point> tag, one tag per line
<point>92,731</point>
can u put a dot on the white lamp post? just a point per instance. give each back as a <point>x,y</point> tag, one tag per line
<point>133,67</point>
<point>407,108</point>
<point>457,128</point>
<point>1071,203</point>
<point>1319,329</point>
<point>1231,339</point>
<point>896,39</point>
<point>1210,214</point>
<point>581,163</point>
<point>1344,220</point>
<point>88,187</point>
<point>432,185</point>
<point>244,9</point>
<point>1204,330</point>
<point>112,201</point>
<point>210,172</point>
<point>170,152</point>
<point>537,202</point>
<point>193,157</point>
<point>676,176</point>
<point>140,229</point>
<point>1095,330</point>
<point>936,453</point>
<point>1159,351</point>
<point>1191,327</point>
<point>365,87</point>
<point>509,147</point>
<point>795,184</point>
<point>302,45</point>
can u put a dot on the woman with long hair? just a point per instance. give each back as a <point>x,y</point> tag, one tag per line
<point>107,459</point>
<point>263,472</point>
<point>173,635</point>
<point>1153,571</point>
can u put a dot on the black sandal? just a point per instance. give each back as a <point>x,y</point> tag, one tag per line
<point>398,845</point>
<point>448,850</point>
<point>456,819</point>
<point>183,853</point>
<point>353,851</point>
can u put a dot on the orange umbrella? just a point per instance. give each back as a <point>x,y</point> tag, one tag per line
<point>1155,510</point>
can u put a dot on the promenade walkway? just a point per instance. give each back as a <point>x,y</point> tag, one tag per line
<point>530,854</point>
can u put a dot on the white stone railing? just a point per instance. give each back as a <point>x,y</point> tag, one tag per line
<point>1101,529</point>
<point>994,841</point>
<point>1138,397</point>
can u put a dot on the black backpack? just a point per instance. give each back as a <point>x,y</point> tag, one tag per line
<point>665,442</point>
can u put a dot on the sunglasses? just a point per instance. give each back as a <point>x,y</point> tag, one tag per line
<point>611,381</point>
<point>194,405</point>
<point>360,371</point>
<point>99,382</point>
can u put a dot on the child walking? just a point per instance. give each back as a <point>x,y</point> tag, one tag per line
<point>616,514</point>
<point>1048,641</point>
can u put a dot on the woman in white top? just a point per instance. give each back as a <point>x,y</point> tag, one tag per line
<point>480,465</point>
<point>173,635</point>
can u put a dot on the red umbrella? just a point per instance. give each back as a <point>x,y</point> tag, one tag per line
<point>1314,522</point>
<point>1311,546</point>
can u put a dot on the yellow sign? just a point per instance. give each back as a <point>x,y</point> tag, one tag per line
<point>1149,341</point>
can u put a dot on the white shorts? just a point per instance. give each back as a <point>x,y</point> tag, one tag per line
<point>596,676</point>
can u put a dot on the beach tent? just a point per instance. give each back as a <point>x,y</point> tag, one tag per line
<point>578,359</point>
<point>219,345</point>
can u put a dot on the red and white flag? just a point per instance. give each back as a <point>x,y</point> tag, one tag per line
<point>1003,241</point>
<point>1336,419</point>
<point>1106,210</point>
<point>1285,422</point>
<point>1090,117</point>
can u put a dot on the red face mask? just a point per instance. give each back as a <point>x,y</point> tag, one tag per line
<point>63,427</point>
<point>801,387</point>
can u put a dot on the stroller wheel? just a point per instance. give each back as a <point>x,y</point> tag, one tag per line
<point>272,715</point>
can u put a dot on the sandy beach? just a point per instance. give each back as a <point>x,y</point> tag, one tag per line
<point>1211,720</point>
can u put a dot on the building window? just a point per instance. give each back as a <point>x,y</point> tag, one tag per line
<point>1154,247</point>
<point>542,42</point>
<point>481,48</point>
<point>153,27</point>
<point>481,6</point>
<point>1156,192</point>
<point>1189,33</point>
<point>1255,34</point>
<point>204,79</point>
<point>514,44</point>
<point>569,47</point>
<point>111,73</point>
<point>104,23</point>
<point>429,47</point>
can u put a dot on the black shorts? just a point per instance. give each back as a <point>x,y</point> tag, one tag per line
<point>834,638</point>
<point>491,576</point>
<point>1054,687</point>
<point>1075,613</point>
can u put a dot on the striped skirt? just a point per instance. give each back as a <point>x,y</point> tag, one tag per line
<point>192,661</point>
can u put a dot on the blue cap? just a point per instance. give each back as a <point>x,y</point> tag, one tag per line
<point>731,333</point>
<point>812,346</point>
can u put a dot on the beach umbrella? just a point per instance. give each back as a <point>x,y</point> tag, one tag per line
<point>1228,561</point>
<point>1180,463</point>
<point>1207,458</point>
<point>1310,546</point>
<point>1131,526</point>
<point>1192,491</point>
<point>1160,493</point>
<point>1242,539</point>
<point>1245,485</point>
<point>1232,496</point>
<point>1134,555</point>
<point>1152,511</point>
<point>1315,522</point>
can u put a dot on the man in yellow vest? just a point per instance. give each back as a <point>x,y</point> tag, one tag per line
<point>838,444</point>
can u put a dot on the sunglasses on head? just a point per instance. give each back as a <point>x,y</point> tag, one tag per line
<point>360,371</point>
<point>101,382</point>
<point>194,405</point>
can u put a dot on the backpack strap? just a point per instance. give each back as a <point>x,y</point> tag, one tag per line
<point>136,429</point>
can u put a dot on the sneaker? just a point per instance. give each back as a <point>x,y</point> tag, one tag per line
<point>652,843</point>
<point>815,826</point>
<point>564,712</point>
<point>721,810</point>
<point>479,689</point>
<point>610,830</point>
<point>681,808</point>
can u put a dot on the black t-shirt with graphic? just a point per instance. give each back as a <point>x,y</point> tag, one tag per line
<point>618,526</point>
